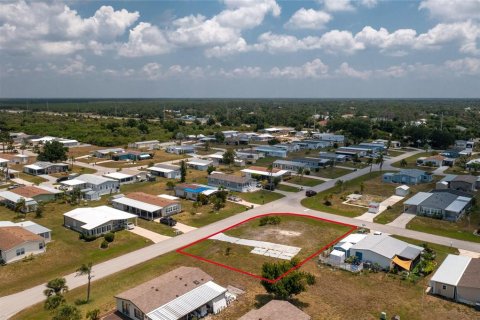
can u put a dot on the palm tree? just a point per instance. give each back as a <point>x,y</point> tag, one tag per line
<point>403,163</point>
<point>339,184</point>
<point>86,269</point>
<point>72,160</point>
<point>379,160</point>
<point>300,172</point>
<point>270,171</point>
<point>20,206</point>
<point>56,287</point>
<point>370,163</point>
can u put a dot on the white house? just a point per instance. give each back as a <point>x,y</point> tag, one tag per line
<point>151,144</point>
<point>122,178</point>
<point>146,206</point>
<point>199,164</point>
<point>92,186</point>
<point>292,166</point>
<point>31,226</point>
<point>183,149</point>
<point>182,293</point>
<point>168,171</point>
<point>17,243</point>
<point>264,173</point>
<point>105,153</point>
<point>402,190</point>
<point>386,251</point>
<point>232,182</point>
<point>95,221</point>
<point>41,167</point>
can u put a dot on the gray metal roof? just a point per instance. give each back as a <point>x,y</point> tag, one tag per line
<point>290,163</point>
<point>386,246</point>
<point>33,227</point>
<point>418,198</point>
<point>439,200</point>
<point>93,179</point>
<point>458,205</point>
<point>414,173</point>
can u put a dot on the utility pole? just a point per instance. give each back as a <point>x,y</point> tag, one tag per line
<point>441,122</point>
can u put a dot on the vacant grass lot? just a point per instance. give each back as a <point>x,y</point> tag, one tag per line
<point>205,214</point>
<point>372,185</point>
<point>412,161</point>
<point>292,231</point>
<point>395,153</point>
<point>367,294</point>
<point>462,230</point>
<point>21,275</point>
<point>284,187</point>
<point>331,172</point>
<point>159,156</point>
<point>259,197</point>
<point>76,169</point>
<point>303,181</point>
<point>30,178</point>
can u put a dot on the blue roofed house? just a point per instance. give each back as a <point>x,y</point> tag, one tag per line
<point>408,176</point>
<point>192,191</point>
<point>272,151</point>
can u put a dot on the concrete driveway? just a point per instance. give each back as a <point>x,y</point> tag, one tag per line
<point>183,227</point>
<point>367,216</point>
<point>402,220</point>
<point>153,236</point>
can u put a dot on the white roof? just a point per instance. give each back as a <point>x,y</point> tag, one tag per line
<point>157,169</point>
<point>13,197</point>
<point>72,182</point>
<point>451,270</point>
<point>118,175</point>
<point>33,227</point>
<point>68,141</point>
<point>3,160</point>
<point>137,204</point>
<point>403,187</point>
<point>88,178</point>
<point>458,205</point>
<point>215,155</point>
<point>190,301</point>
<point>199,162</point>
<point>33,167</point>
<point>96,216</point>
<point>168,197</point>
<point>354,238</point>
<point>265,173</point>
<point>337,253</point>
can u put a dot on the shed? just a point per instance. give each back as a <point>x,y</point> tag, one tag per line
<point>445,280</point>
<point>336,257</point>
<point>402,190</point>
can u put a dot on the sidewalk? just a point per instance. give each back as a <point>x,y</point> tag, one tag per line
<point>367,216</point>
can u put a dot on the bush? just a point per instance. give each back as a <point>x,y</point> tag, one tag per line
<point>104,244</point>
<point>86,237</point>
<point>307,172</point>
<point>327,203</point>
<point>109,237</point>
<point>273,220</point>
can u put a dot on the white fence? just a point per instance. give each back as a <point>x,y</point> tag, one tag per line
<point>343,266</point>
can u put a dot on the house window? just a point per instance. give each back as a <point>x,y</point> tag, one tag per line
<point>137,313</point>
<point>444,287</point>
<point>40,246</point>
<point>125,308</point>
<point>20,251</point>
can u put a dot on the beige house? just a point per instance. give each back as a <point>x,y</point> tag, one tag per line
<point>17,243</point>
<point>147,206</point>
<point>182,293</point>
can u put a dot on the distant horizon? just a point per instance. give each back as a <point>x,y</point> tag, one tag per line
<point>237,98</point>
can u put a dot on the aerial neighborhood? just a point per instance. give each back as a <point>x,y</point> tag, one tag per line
<point>197,219</point>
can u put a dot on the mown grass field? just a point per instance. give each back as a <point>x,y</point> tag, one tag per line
<point>259,197</point>
<point>303,181</point>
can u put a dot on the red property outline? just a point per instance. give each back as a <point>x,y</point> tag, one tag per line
<point>352,228</point>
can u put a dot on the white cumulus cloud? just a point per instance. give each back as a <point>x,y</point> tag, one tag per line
<point>308,19</point>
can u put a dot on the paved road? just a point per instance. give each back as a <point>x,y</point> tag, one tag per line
<point>14,303</point>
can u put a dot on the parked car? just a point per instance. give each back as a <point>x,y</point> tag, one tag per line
<point>310,193</point>
<point>169,221</point>
<point>62,179</point>
<point>130,226</point>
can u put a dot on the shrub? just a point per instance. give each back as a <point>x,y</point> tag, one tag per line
<point>104,244</point>
<point>273,220</point>
<point>307,172</point>
<point>109,237</point>
<point>86,237</point>
<point>327,203</point>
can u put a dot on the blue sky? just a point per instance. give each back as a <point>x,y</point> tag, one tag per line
<point>240,48</point>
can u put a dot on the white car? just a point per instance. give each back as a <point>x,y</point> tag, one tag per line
<point>130,226</point>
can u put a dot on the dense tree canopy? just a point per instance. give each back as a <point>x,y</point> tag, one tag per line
<point>53,152</point>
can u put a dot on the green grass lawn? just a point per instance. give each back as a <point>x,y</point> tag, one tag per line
<point>30,178</point>
<point>412,160</point>
<point>264,162</point>
<point>205,215</point>
<point>156,227</point>
<point>317,202</point>
<point>303,181</point>
<point>332,172</point>
<point>395,153</point>
<point>389,215</point>
<point>259,197</point>
<point>353,165</point>
<point>21,275</point>
<point>76,169</point>
<point>284,187</point>
<point>462,230</point>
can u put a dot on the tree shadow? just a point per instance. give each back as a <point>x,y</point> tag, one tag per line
<point>263,299</point>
